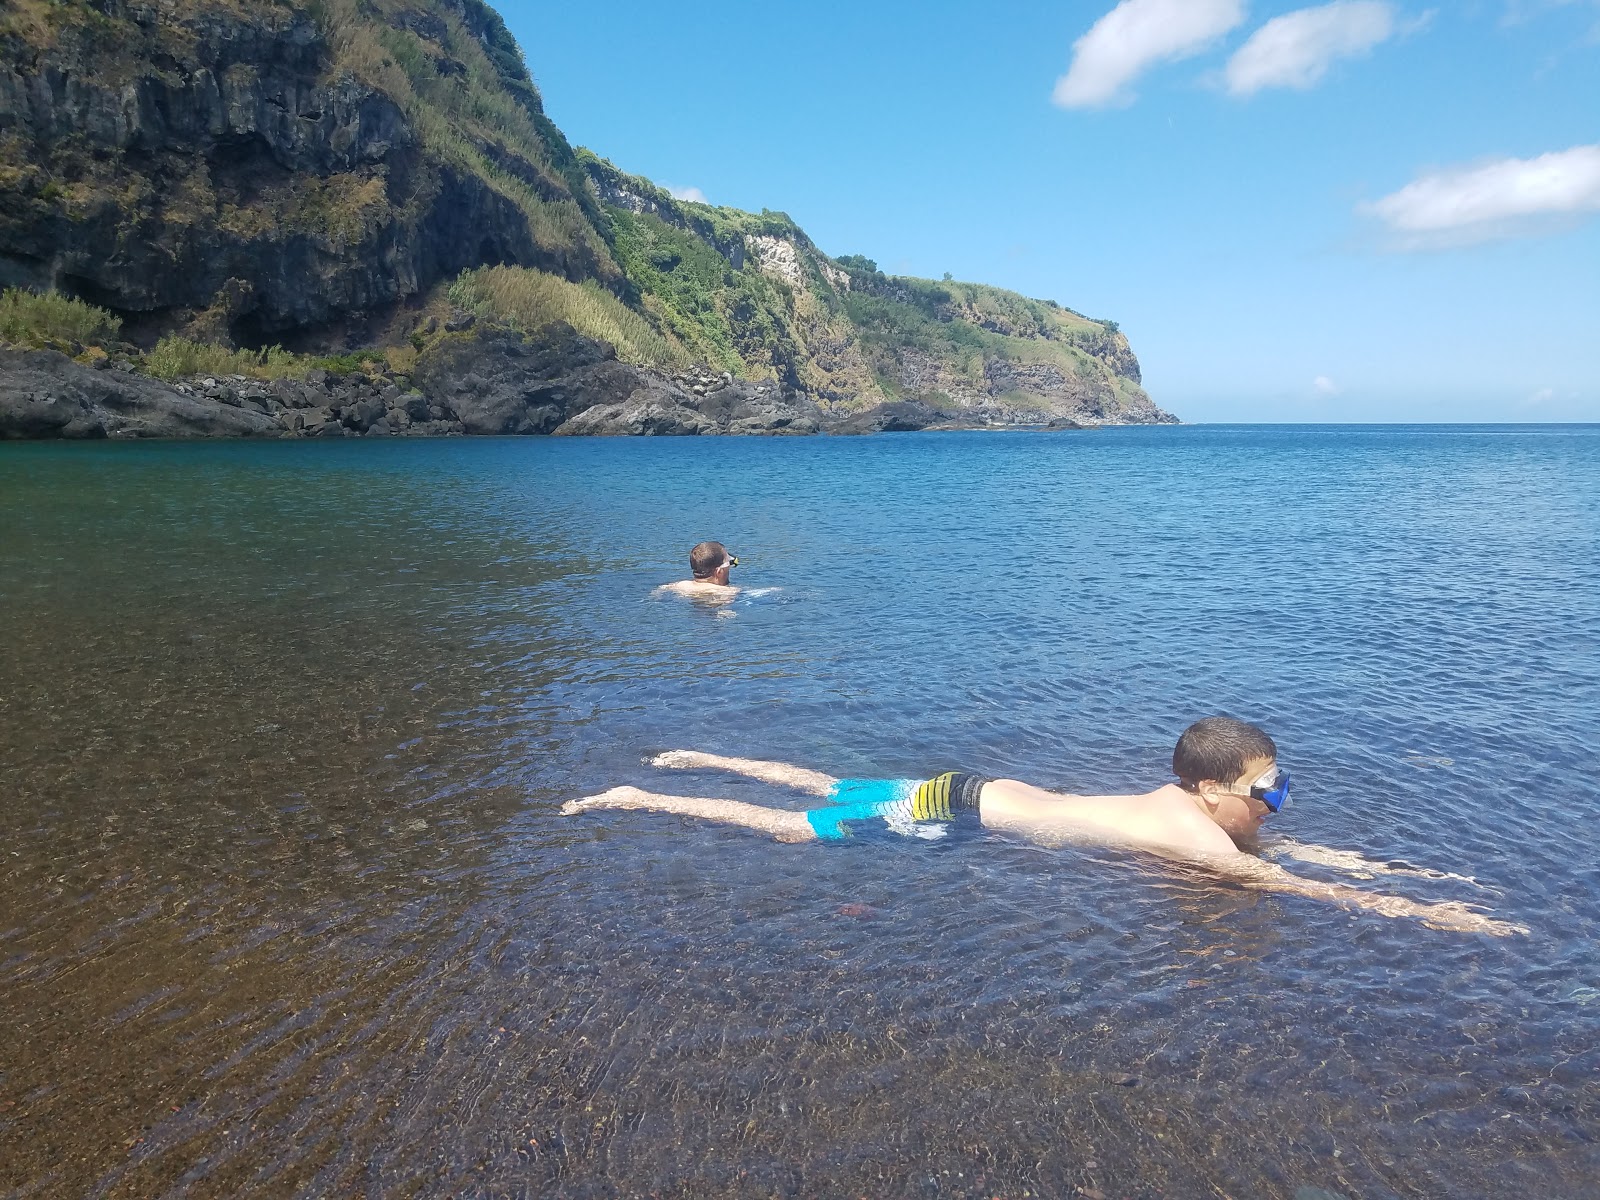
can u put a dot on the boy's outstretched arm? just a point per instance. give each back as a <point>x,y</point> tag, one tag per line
<point>1450,915</point>
<point>1353,862</point>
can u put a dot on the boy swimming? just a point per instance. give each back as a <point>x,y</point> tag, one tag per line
<point>1228,784</point>
<point>709,564</point>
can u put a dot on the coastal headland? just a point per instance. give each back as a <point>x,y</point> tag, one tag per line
<point>258,219</point>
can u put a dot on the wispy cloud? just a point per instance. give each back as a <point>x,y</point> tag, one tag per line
<point>1296,49</point>
<point>1504,198</point>
<point>1134,36</point>
<point>1518,12</point>
<point>688,193</point>
<point>1323,386</point>
<point>1521,12</point>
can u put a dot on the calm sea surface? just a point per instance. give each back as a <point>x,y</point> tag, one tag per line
<point>287,907</point>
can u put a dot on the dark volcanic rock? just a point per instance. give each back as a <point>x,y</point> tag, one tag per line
<point>902,416</point>
<point>497,380</point>
<point>46,395</point>
<point>744,407</point>
<point>649,412</point>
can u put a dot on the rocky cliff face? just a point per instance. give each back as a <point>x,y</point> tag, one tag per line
<point>174,160</point>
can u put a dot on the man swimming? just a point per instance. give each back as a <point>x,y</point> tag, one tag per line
<point>709,563</point>
<point>1228,785</point>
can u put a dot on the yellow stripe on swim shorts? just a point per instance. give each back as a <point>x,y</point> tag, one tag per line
<point>931,800</point>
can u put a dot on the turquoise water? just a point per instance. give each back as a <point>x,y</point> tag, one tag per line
<point>287,907</point>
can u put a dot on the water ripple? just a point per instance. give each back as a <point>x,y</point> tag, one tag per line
<point>289,910</point>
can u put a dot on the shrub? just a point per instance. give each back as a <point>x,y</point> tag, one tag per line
<point>857,262</point>
<point>50,319</point>
<point>174,357</point>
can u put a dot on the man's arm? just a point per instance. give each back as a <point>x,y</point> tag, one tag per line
<point>1262,876</point>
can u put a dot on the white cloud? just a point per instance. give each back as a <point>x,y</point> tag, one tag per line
<point>1541,396</point>
<point>1494,199</point>
<point>693,194</point>
<point>1134,36</point>
<point>1296,49</point>
<point>1323,386</point>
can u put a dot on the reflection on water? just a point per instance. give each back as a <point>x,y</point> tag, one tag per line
<point>286,907</point>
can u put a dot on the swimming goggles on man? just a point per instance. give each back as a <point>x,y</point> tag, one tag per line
<point>1272,789</point>
<point>731,561</point>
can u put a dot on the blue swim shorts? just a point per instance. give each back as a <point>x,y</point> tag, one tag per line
<point>918,808</point>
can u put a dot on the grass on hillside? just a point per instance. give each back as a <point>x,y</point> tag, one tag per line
<point>530,299</point>
<point>177,357</point>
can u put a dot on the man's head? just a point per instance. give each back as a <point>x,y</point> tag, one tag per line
<point>709,561</point>
<point>1230,767</point>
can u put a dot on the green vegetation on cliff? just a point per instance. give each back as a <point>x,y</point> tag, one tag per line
<point>53,321</point>
<point>530,299</point>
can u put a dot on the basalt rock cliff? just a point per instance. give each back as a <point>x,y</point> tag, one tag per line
<point>378,175</point>
<point>246,162</point>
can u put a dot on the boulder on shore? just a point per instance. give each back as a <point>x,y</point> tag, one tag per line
<point>45,394</point>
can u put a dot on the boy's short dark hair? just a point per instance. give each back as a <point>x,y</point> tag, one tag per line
<point>1216,749</point>
<point>705,558</point>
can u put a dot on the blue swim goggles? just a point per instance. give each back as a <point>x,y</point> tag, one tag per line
<point>1273,793</point>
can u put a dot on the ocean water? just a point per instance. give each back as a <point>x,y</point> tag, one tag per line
<point>287,907</point>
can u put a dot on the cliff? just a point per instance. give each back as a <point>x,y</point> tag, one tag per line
<point>370,175</point>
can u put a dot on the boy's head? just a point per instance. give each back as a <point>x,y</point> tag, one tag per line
<point>1221,760</point>
<point>1217,750</point>
<point>709,562</point>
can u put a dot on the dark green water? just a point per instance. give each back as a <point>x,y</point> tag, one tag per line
<point>287,908</point>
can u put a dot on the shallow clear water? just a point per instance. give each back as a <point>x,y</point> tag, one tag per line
<point>287,907</point>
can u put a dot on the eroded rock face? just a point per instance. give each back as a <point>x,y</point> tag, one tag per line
<point>153,156</point>
<point>498,381</point>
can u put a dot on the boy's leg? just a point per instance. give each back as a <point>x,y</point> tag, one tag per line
<point>782,774</point>
<point>780,823</point>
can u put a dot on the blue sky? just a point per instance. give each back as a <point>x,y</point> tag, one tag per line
<point>1364,210</point>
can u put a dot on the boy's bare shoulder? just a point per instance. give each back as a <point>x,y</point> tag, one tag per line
<point>1165,819</point>
<point>693,587</point>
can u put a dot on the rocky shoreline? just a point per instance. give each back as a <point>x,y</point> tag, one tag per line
<point>480,380</point>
